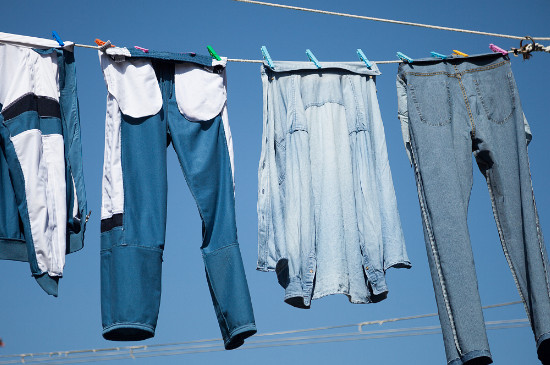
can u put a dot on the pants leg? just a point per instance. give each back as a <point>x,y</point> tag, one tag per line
<point>501,153</point>
<point>204,157</point>
<point>132,238</point>
<point>441,149</point>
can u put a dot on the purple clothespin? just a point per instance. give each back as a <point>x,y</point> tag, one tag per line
<point>498,49</point>
<point>142,49</point>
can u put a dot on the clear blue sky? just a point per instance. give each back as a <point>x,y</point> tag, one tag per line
<point>31,321</point>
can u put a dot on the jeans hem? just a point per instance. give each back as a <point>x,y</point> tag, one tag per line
<point>128,331</point>
<point>543,337</point>
<point>471,355</point>
<point>238,335</point>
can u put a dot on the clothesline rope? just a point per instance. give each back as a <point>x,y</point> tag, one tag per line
<point>217,341</point>
<point>244,60</point>
<point>390,20</point>
<point>236,59</point>
<point>380,322</point>
<point>135,352</point>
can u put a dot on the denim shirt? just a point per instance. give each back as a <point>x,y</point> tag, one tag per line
<point>327,214</point>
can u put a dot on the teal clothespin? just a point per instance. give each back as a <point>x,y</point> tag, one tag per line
<point>57,38</point>
<point>363,58</point>
<point>438,55</point>
<point>312,58</point>
<point>404,57</point>
<point>267,57</point>
<point>213,53</point>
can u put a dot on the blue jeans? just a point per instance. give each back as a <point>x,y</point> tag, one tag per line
<point>42,194</point>
<point>167,107</point>
<point>448,110</point>
<point>327,214</point>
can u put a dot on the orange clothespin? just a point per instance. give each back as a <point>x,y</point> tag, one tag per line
<point>99,42</point>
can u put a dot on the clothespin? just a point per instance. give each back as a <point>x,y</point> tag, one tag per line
<point>364,58</point>
<point>438,55</point>
<point>57,38</point>
<point>312,58</point>
<point>100,43</point>
<point>142,49</point>
<point>498,49</point>
<point>460,53</point>
<point>267,57</point>
<point>404,57</point>
<point>213,53</point>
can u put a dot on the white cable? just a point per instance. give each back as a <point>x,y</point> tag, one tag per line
<point>132,348</point>
<point>389,20</point>
<point>294,341</point>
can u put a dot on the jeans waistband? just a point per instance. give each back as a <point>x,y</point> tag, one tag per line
<point>172,56</point>
<point>453,65</point>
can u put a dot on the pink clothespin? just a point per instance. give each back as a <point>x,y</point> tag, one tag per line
<point>142,49</point>
<point>498,49</point>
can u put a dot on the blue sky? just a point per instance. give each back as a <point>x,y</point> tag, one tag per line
<point>31,321</point>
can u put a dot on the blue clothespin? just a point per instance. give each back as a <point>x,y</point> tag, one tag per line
<point>438,55</point>
<point>267,57</point>
<point>312,58</point>
<point>404,57</point>
<point>363,58</point>
<point>58,38</point>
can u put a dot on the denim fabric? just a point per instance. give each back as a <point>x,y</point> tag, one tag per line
<point>327,214</point>
<point>149,107</point>
<point>42,192</point>
<point>449,109</point>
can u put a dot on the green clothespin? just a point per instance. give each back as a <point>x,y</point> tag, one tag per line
<point>213,53</point>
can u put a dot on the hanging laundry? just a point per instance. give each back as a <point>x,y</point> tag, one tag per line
<point>449,109</point>
<point>42,194</point>
<point>327,214</point>
<point>154,99</point>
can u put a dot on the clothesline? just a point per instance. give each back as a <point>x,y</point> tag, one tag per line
<point>211,345</point>
<point>135,352</point>
<point>244,60</point>
<point>390,20</point>
<point>236,59</point>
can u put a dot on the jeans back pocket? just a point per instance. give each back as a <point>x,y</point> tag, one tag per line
<point>431,98</point>
<point>496,94</point>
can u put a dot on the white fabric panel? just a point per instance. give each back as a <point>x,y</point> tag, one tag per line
<point>75,199</point>
<point>200,93</point>
<point>118,51</point>
<point>28,147</point>
<point>45,75</point>
<point>32,42</point>
<point>229,140</point>
<point>54,159</point>
<point>25,71</point>
<point>222,62</point>
<point>112,196</point>
<point>133,84</point>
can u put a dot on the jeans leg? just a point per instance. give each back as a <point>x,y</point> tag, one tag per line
<point>133,232</point>
<point>502,157</point>
<point>203,154</point>
<point>441,149</point>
